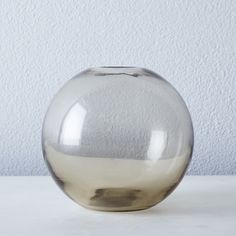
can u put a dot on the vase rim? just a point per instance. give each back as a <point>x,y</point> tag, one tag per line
<point>115,67</point>
<point>119,69</point>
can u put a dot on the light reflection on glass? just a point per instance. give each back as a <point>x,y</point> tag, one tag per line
<point>157,144</point>
<point>71,128</point>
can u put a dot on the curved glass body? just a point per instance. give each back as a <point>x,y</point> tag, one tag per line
<point>117,138</point>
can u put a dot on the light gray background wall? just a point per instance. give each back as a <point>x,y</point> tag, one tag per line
<point>45,43</point>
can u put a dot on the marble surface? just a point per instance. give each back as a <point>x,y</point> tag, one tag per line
<point>201,205</point>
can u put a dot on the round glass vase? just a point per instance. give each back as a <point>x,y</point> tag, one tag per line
<point>117,138</point>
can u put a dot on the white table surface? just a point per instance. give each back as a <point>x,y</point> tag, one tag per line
<point>33,206</point>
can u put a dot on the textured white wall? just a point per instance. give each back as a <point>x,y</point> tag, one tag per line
<point>190,43</point>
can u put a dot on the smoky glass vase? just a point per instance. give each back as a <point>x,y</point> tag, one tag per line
<point>117,138</point>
